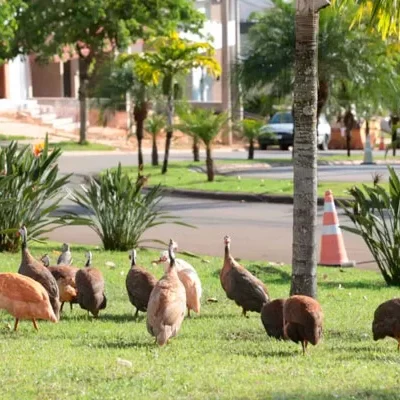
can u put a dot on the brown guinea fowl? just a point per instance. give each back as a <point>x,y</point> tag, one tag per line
<point>36,270</point>
<point>65,278</point>
<point>303,318</point>
<point>90,287</point>
<point>167,304</point>
<point>139,284</point>
<point>387,321</point>
<point>24,298</point>
<point>272,318</point>
<point>240,285</point>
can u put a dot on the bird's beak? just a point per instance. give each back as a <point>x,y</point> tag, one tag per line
<point>156,262</point>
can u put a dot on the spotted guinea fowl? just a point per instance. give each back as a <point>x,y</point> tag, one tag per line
<point>90,287</point>
<point>167,304</point>
<point>65,257</point>
<point>36,270</point>
<point>303,318</point>
<point>139,284</point>
<point>24,298</point>
<point>240,285</point>
<point>190,279</point>
<point>387,321</point>
<point>65,278</point>
<point>272,318</point>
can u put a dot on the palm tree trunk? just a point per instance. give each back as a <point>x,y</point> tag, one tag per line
<point>170,129</point>
<point>140,115</point>
<point>304,263</point>
<point>209,164</point>
<point>83,94</point>
<point>251,150</point>
<point>154,151</point>
<point>196,149</point>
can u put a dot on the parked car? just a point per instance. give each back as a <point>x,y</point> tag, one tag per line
<point>279,131</point>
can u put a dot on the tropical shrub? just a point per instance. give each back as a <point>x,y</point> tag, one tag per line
<point>250,129</point>
<point>154,125</point>
<point>205,125</point>
<point>30,191</point>
<point>375,213</point>
<point>119,211</point>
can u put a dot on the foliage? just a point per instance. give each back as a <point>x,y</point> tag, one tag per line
<point>203,123</point>
<point>250,128</point>
<point>231,361</point>
<point>9,11</point>
<point>375,213</point>
<point>155,124</point>
<point>168,59</point>
<point>119,212</point>
<point>34,191</point>
<point>270,59</point>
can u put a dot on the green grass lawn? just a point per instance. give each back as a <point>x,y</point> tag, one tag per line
<point>180,176</point>
<point>74,146</point>
<point>217,355</point>
<point>13,137</point>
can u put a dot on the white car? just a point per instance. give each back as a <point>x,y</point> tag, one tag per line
<point>279,130</point>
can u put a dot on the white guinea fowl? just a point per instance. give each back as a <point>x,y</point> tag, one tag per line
<point>188,276</point>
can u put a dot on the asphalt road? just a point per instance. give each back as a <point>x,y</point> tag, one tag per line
<point>259,231</point>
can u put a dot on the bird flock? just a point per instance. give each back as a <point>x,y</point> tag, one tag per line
<point>39,291</point>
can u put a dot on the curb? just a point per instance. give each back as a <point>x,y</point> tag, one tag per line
<point>242,197</point>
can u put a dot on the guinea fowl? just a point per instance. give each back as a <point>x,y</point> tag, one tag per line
<point>65,278</point>
<point>24,298</point>
<point>188,276</point>
<point>167,303</point>
<point>65,257</point>
<point>90,287</point>
<point>36,270</point>
<point>139,284</point>
<point>272,318</point>
<point>387,321</point>
<point>240,285</point>
<point>303,318</point>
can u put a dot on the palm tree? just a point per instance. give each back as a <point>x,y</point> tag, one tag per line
<point>169,58</point>
<point>154,126</point>
<point>250,129</point>
<point>304,264</point>
<point>205,125</point>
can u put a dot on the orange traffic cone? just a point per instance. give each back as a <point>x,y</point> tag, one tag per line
<point>333,252</point>
<point>382,143</point>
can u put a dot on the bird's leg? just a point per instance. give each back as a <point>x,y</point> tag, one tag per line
<point>61,308</point>
<point>398,344</point>
<point>35,324</point>
<point>16,324</point>
<point>136,314</point>
<point>304,346</point>
<point>71,306</point>
<point>188,310</point>
<point>244,313</point>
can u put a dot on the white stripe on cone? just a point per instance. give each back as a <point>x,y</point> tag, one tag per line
<point>331,230</point>
<point>329,207</point>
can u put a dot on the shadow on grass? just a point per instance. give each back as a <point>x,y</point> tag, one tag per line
<point>147,343</point>
<point>353,285</point>
<point>103,316</point>
<point>304,394</point>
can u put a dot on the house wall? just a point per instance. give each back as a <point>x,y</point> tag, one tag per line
<point>47,79</point>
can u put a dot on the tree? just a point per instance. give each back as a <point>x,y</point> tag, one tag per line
<point>91,28</point>
<point>9,11</point>
<point>155,124</point>
<point>271,57</point>
<point>169,58</point>
<point>250,129</point>
<point>204,124</point>
<point>304,264</point>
